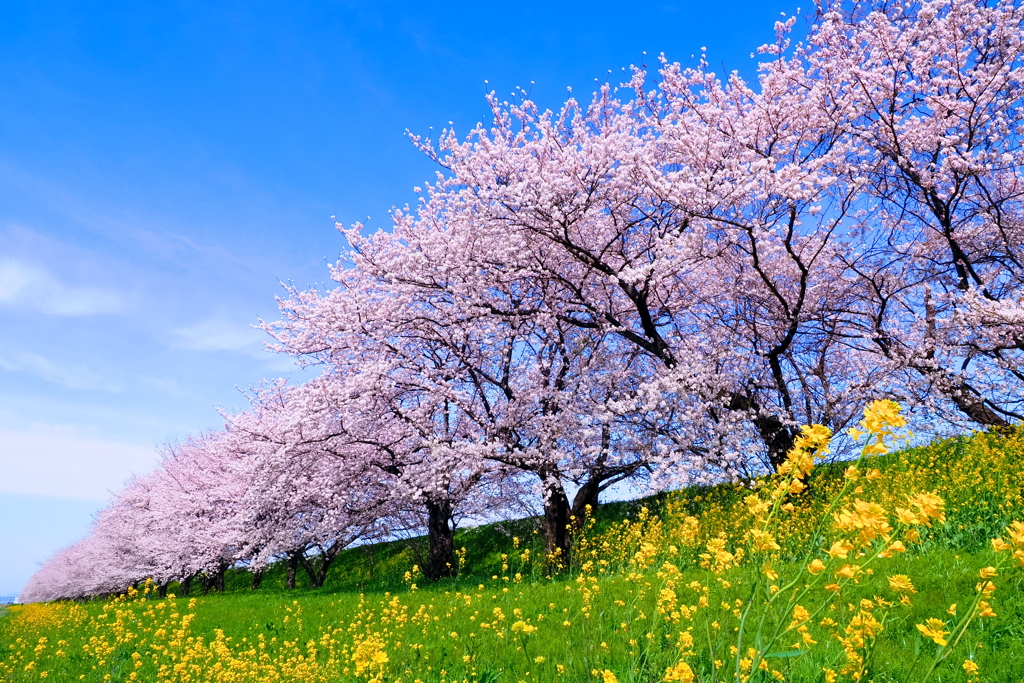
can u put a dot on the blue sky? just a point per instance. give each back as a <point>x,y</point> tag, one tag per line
<point>165,165</point>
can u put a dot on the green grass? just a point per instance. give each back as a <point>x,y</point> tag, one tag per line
<point>381,567</point>
<point>607,607</point>
<point>578,648</point>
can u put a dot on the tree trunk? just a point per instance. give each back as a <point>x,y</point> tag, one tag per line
<point>556,520</point>
<point>777,438</point>
<point>967,400</point>
<point>214,580</point>
<point>257,579</point>
<point>293,565</point>
<point>309,566</point>
<point>221,577</point>
<point>186,584</point>
<point>316,567</point>
<point>372,556</point>
<point>161,590</point>
<point>587,496</point>
<point>440,540</point>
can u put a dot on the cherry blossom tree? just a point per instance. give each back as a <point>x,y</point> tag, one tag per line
<point>515,393</point>
<point>382,448</point>
<point>195,498</point>
<point>693,226</point>
<point>90,567</point>
<point>931,92</point>
<point>302,504</point>
<point>170,525</point>
<point>656,286</point>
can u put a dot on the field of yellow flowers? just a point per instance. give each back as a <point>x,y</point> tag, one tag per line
<point>903,567</point>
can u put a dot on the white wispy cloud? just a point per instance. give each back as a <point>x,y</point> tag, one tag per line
<point>60,462</point>
<point>69,375</point>
<point>217,334</point>
<point>282,364</point>
<point>27,285</point>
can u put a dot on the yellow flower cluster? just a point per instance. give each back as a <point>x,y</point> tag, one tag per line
<point>1015,532</point>
<point>935,630</point>
<point>881,420</point>
<point>807,568</point>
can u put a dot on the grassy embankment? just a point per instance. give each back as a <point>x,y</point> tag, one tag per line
<point>692,588</point>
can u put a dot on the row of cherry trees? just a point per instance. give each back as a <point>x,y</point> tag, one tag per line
<point>658,286</point>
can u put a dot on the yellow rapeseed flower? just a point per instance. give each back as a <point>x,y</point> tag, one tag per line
<point>840,549</point>
<point>1016,533</point>
<point>847,571</point>
<point>680,672</point>
<point>369,654</point>
<point>882,417</point>
<point>928,506</point>
<point>877,448</point>
<point>762,540</point>
<point>816,567</point>
<point>868,520</point>
<point>523,627</point>
<point>934,629</point>
<point>901,583</point>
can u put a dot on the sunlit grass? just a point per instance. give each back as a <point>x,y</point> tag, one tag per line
<point>708,584</point>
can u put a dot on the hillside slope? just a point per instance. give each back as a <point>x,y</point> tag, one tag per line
<point>717,583</point>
